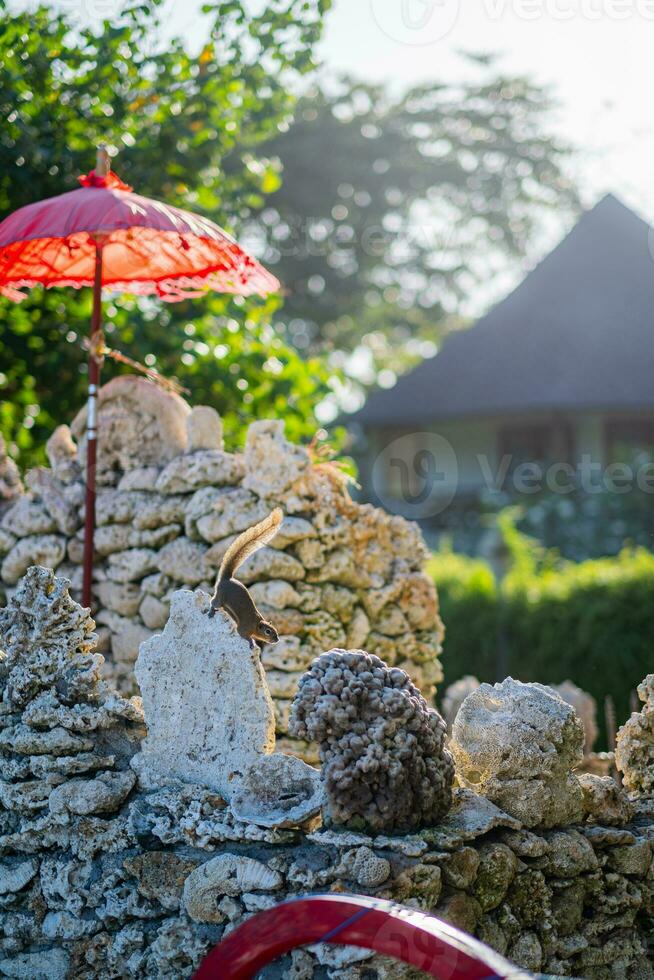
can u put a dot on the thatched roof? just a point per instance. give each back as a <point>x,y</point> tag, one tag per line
<point>578,333</point>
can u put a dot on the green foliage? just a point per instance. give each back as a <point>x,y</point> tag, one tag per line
<point>591,525</point>
<point>393,208</point>
<point>190,131</point>
<point>591,622</point>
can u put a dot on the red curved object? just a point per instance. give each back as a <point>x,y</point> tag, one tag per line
<point>414,937</point>
<point>147,246</point>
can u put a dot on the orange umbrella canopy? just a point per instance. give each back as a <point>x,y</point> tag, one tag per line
<point>147,247</point>
<point>104,235</point>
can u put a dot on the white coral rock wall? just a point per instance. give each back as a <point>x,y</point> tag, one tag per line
<point>171,499</point>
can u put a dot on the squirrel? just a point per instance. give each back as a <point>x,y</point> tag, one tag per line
<point>232,596</point>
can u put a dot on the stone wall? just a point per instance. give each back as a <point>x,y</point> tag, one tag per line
<point>105,875</point>
<point>170,501</point>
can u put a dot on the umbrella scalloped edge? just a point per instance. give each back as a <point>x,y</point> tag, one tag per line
<point>169,290</point>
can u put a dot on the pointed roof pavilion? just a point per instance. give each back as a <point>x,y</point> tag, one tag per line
<point>576,334</point>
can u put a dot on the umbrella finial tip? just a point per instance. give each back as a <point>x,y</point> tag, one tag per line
<point>102,161</point>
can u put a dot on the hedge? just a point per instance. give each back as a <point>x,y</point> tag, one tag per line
<point>591,622</point>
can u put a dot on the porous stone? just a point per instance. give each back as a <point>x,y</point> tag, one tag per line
<point>365,867</point>
<point>139,425</point>
<point>48,550</point>
<point>26,517</point>
<point>384,761</point>
<point>123,598</point>
<point>634,750</point>
<point>272,465</point>
<point>132,565</point>
<point>144,504</point>
<point>183,559</point>
<point>277,791</point>
<point>460,868</point>
<point>154,612</point>
<point>497,869</point>
<point>62,502</point>
<point>454,696</point>
<point>104,794</point>
<point>632,859</point>
<point>205,700</point>
<point>61,451</point>
<point>517,744</point>
<point>45,636</point>
<point>160,876</point>
<point>15,875</point>
<point>225,875</point>
<point>204,468</point>
<point>604,801</point>
<point>10,482</point>
<point>586,708</point>
<point>48,964</point>
<point>204,428</point>
<point>569,854</point>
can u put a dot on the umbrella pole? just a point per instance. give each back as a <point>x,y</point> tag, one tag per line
<point>91,428</point>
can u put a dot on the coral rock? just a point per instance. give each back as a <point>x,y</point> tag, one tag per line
<point>517,744</point>
<point>585,706</point>
<point>604,801</point>
<point>48,550</point>
<point>272,463</point>
<point>278,791</point>
<point>204,428</point>
<point>634,751</point>
<point>226,875</point>
<point>454,696</point>
<point>382,748</point>
<point>138,425</point>
<point>204,468</point>
<point>84,796</point>
<point>205,700</point>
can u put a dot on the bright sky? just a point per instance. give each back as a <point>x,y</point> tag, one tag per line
<point>597,56</point>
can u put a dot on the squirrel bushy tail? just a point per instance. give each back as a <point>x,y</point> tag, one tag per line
<point>248,542</point>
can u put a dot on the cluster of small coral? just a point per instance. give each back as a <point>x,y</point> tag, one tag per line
<point>170,501</point>
<point>634,750</point>
<point>384,764</point>
<point>102,876</point>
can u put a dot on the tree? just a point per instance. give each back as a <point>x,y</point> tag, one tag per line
<point>393,210</point>
<point>190,130</point>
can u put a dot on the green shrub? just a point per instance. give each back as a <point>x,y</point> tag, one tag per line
<point>469,607</point>
<point>548,621</point>
<point>592,622</point>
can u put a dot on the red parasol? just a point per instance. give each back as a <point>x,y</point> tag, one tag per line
<point>105,235</point>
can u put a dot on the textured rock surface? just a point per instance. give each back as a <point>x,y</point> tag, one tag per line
<point>278,791</point>
<point>454,696</point>
<point>101,877</point>
<point>604,801</point>
<point>384,761</point>
<point>205,700</point>
<point>10,483</point>
<point>170,501</point>
<point>517,744</point>
<point>585,706</point>
<point>139,425</point>
<point>634,751</point>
